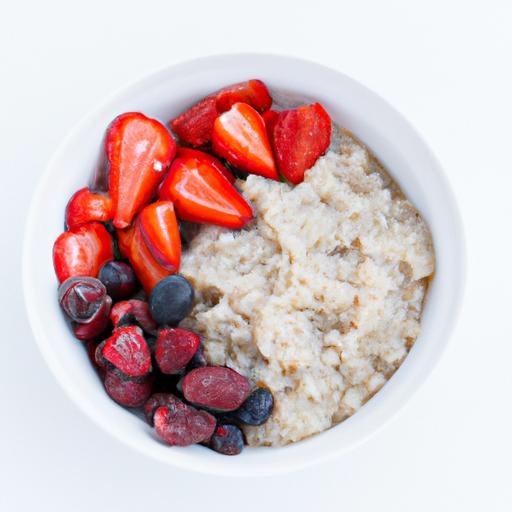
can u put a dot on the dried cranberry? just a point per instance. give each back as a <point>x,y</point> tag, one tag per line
<point>216,387</point>
<point>256,410</point>
<point>119,279</point>
<point>127,351</point>
<point>175,348</point>
<point>227,439</point>
<point>155,401</point>
<point>125,391</point>
<point>81,297</point>
<point>133,312</point>
<point>96,325</point>
<point>181,425</point>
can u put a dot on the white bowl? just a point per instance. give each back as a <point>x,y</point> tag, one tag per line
<point>163,95</point>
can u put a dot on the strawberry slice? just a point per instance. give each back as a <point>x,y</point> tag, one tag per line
<point>270,118</point>
<point>195,125</point>
<point>159,229</point>
<point>299,137</point>
<point>82,251</point>
<point>214,162</point>
<point>139,151</point>
<point>200,193</point>
<point>86,206</point>
<point>127,351</point>
<point>240,137</point>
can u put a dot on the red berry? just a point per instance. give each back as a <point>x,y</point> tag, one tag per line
<point>127,392</point>
<point>86,206</point>
<point>155,401</point>
<point>96,325</point>
<point>181,425</point>
<point>133,311</point>
<point>216,387</point>
<point>81,297</point>
<point>175,348</point>
<point>128,351</point>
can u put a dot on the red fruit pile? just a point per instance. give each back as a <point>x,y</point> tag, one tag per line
<point>124,233</point>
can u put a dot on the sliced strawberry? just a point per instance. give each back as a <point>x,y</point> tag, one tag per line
<point>86,206</point>
<point>240,137</point>
<point>200,193</point>
<point>214,162</point>
<point>159,229</point>
<point>270,118</point>
<point>82,251</point>
<point>127,351</point>
<point>139,151</point>
<point>148,271</point>
<point>124,240</point>
<point>253,92</point>
<point>195,125</point>
<point>299,137</point>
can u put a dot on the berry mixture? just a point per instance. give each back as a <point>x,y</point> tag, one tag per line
<point>118,261</point>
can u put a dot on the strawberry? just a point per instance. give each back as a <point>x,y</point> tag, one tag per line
<point>240,137</point>
<point>86,206</point>
<point>200,193</point>
<point>214,162</point>
<point>124,240</point>
<point>139,151</point>
<point>159,229</point>
<point>82,251</point>
<point>299,137</point>
<point>270,118</point>
<point>195,125</point>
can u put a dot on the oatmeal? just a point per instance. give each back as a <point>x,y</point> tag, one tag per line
<point>319,298</point>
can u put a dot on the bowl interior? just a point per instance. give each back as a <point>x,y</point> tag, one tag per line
<point>165,94</point>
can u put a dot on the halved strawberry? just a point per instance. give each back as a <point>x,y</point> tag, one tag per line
<point>86,206</point>
<point>159,229</point>
<point>299,137</point>
<point>139,151</point>
<point>195,125</point>
<point>127,351</point>
<point>124,240</point>
<point>214,162</point>
<point>270,118</point>
<point>200,193</point>
<point>82,251</point>
<point>240,137</point>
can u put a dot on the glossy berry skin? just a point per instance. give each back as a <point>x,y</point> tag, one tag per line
<point>82,251</point>
<point>81,296</point>
<point>127,392</point>
<point>171,300</point>
<point>256,410</point>
<point>215,387</point>
<point>96,325</point>
<point>174,349</point>
<point>227,439</point>
<point>118,278</point>
<point>206,157</point>
<point>86,206</point>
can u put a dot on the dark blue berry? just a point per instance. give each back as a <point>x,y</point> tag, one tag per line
<point>198,360</point>
<point>118,278</point>
<point>171,300</point>
<point>227,439</point>
<point>256,409</point>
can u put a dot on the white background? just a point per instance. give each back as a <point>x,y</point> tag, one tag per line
<point>447,66</point>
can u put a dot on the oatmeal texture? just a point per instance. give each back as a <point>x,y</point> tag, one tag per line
<point>319,298</point>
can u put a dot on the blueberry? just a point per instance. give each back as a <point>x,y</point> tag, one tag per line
<point>227,439</point>
<point>118,278</point>
<point>256,409</point>
<point>171,300</point>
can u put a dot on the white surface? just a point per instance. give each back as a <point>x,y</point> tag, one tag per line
<point>364,114</point>
<point>446,66</point>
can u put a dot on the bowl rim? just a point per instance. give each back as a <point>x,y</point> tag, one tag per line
<point>275,467</point>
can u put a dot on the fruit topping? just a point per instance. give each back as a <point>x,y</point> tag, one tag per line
<point>127,351</point>
<point>256,410</point>
<point>96,325</point>
<point>195,125</point>
<point>215,387</point>
<point>174,349</point>
<point>206,157</point>
<point>227,439</point>
<point>118,278</point>
<point>171,300</point>
<point>198,360</point>
<point>133,312</point>
<point>125,391</point>
<point>299,137</point>
<point>155,401</point>
<point>81,251</point>
<point>201,193</point>
<point>86,206</point>
<point>159,229</point>
<point>139,151</point>
<point>179,424</point>
<point>270,117</point>
<point>239,136</point>
<point>80,297</point>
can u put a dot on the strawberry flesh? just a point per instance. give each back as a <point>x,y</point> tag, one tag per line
<point>239,136</point>
<point>139,151</point>
<point>252,92</point>
<point>82,251</point>
<point>299,137</point>
<point>201,155</point>
<point>86,206</point>
<point>174,349</point>
<point>201,193</point>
